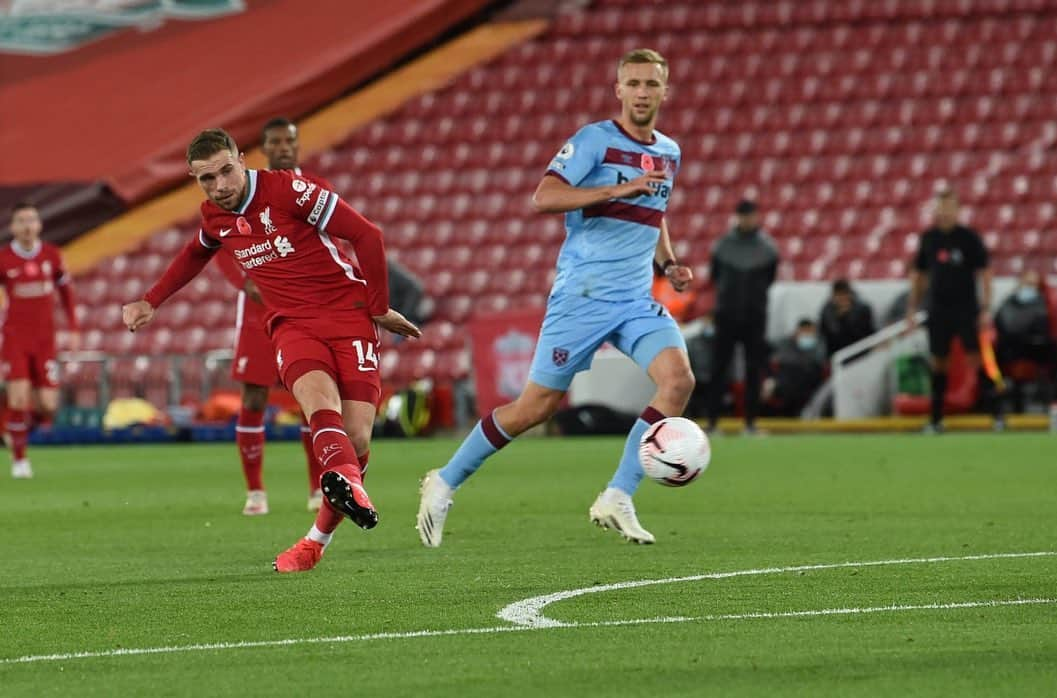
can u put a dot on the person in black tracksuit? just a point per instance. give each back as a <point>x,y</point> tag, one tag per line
<point>744,265</point>
<point>953,261</point>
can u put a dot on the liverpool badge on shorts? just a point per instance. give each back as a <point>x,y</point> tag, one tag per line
<point>560,356</point>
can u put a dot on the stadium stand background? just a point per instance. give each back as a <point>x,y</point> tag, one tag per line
<point>839,117</point>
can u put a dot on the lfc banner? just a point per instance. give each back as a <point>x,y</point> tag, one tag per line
<point>502,354</point>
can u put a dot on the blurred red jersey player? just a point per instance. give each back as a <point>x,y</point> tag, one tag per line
<point>322,312</point>
<point>31,272</point>
<point>254,362</point>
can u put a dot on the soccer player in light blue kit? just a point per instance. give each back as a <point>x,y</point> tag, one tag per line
<point>612,181</point>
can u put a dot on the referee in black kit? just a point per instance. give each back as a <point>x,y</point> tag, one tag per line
<point>953,262</point>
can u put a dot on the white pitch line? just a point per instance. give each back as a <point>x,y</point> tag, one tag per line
<point>215,646</point>
<point>529,612</point>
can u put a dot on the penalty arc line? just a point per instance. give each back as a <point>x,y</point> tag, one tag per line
<point>217,646</point>
<point>529,612</point>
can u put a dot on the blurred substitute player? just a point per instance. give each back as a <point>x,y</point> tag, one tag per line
<point>612,180</point>
<point>254,363</point>
<point>31,271</point>
<point>322,311</point>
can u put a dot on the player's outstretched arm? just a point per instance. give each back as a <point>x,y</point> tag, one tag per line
<point>553,195</point>
<point>678,275</point>
<point>346,223</point>
<point>192,259</point>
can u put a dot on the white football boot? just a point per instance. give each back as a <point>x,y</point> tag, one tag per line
<point>256,503</point>
<point>614,509</point>
<point>21,470</point>
<point>433,508</point>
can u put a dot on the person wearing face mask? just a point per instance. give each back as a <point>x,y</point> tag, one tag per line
<point>744,265</point>
<point>1023,326</point>
<point>798,369</point>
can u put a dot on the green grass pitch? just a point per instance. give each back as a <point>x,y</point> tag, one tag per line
<point>121,549</point>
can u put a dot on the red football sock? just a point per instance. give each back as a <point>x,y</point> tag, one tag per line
<point>315,470</point>
<point>249,436</point>
<point>335,452</point>
<point>18,432</point>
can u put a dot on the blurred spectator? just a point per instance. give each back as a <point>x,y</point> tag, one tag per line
<point>407,295</point>
<point>700,347</point>
<point>798,369</point>
<point>1023,327</point>
<point>953,262</point>
<point>678,303</point>
<point>744,265</point>
<point>844,319</point>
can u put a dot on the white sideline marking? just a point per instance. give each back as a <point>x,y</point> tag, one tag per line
<point>542,623</point>
<point>995,603</point>
<point>529,611</point>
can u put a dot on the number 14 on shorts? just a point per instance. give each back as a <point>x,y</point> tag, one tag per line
<point>368,360</point>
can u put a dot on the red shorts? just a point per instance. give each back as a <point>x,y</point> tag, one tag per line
<point>344,348</point>
<point>254,360</point>
<point>34,360</point>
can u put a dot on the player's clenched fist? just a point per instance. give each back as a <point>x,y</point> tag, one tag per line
<point>136,315</point>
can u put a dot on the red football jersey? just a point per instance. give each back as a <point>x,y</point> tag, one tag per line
<point>252,311</point>
<point>282,238</point>
<point>30,280</point>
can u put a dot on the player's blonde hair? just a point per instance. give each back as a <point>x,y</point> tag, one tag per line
<point>644,55</point>
<point>210,142</point>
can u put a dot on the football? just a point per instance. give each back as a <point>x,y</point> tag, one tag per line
<point>674,451</point>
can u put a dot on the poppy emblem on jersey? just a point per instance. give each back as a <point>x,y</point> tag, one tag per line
<point>244,226</point>
<point>646,162</point>
<point>560,356</point>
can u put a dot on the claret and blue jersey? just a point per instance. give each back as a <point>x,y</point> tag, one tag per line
<point>605,268</point>
<point>609,247</point>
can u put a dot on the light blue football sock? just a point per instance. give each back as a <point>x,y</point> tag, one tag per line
<point>473,451</point>
<point>629,473</point>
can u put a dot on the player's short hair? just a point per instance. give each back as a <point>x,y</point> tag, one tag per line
<point>805,323</point>
<point>644,55</point>
<point>22,206</point>
<point>277,122</point>
<point>210,142</point>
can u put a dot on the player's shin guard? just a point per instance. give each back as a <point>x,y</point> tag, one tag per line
<point>485,439</point>
<point>335,453</point>
<point>18,432</point>
<point>629,472</point>
<point>249,436</point>
<point>312,463</point>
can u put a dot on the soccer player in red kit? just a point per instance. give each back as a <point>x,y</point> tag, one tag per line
<point>323,312</point>
<point>254,362</point>
<point>31,271</point>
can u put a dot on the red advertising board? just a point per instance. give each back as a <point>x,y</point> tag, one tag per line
<point>503,344</point>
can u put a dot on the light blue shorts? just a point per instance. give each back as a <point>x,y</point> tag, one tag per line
<point>575,327</point>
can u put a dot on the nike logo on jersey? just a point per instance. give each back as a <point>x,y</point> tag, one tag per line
<point>224,232</point>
